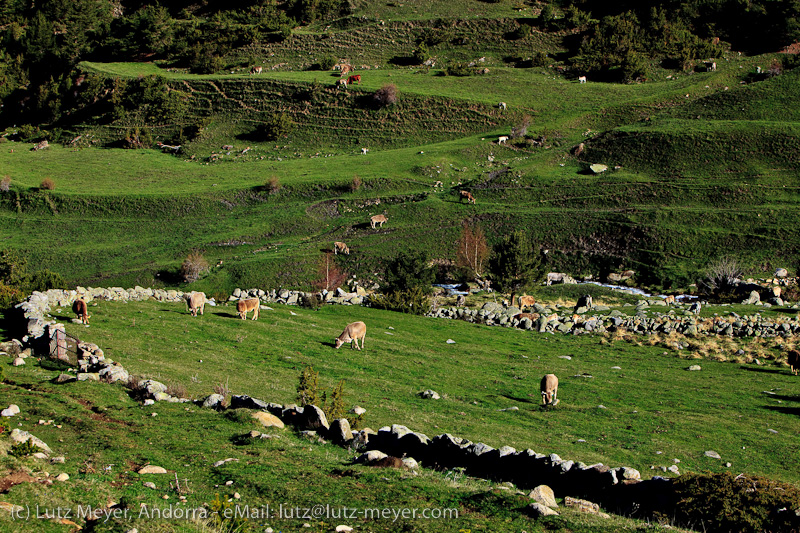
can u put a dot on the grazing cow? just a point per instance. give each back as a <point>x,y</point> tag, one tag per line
<point>502,139</point>
<point>340,246</point>
<point>468,196</point>
<point>582,79</point>
<point>195,301</point>
<point>79,308</point>
<point>526,301</point>
<point>355,78</point>
<point>502,105</point>
<point>256,70</point>
<point>793,358</point>
<point>344,68</point>
<point>378,219</point>
<point>351,334</point>
<point>670,300</point>
<point>549,388</point>
<point>245,306</point>
<point>341,83</point>
<point>695,308</point>
<point>554,277</point>
<point>529,316</point>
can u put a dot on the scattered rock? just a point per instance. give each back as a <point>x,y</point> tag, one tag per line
<point>430,394</point>
<point>694,368</point>
<point>152,469</point>
<point>712,454</point>
<point>149,485</point>
<point>268,419</point>
<point>544,495</point>
<point>17,435</point>
<point>537,509</point>
<point>62,477</point>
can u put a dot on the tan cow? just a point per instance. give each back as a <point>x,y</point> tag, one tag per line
<point>549,387</point>
<point>245,306</point>
<point>79,308</point>
<point>256,70</point>
<point>530,316</point>
<point>195,301</point>
<point>351,334</point>
<point>526,301</point>
<point>670,300</point>
<point>378,219</point>
<point>793,358</point>
<point>340,247</point>
<point>468,196</point>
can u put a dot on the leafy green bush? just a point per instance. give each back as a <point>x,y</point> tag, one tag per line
<point>277,126</point>
<point>741,504</point>
<point>327,63</point>
<point>410,270</point>
<point>22,449</point>
<point>459,69</point>
<point>413,301</point>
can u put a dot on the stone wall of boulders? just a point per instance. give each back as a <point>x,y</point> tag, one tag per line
<point>648,316</point>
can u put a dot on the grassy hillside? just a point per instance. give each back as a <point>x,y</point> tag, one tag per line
<point>623,402</point>
<point>701,164</point>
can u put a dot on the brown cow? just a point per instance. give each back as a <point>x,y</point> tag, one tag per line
<point>526,301</point>
<point>195,301</point>
<point>340,247</point>
<point>355,78</point>
<point>793,358</point>
<point>378,219</point>
<point>245,306</point>
<point>468,196</point>
<point>351,334</point>
<point>79,308</point>
<point>256,70</point>
<point>529,316</point>
<point>549,388</point>
<point>670,300</point>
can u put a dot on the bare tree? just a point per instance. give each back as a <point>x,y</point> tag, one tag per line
<point>193,267</point>
<point>472,249</point>
<point>330,275</point>
<point>722,275</point>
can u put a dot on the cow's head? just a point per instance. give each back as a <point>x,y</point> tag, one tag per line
<point>338,342</point>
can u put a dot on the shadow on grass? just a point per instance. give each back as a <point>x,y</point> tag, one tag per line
<point>795,411</point>
<point>764,370</point>
<point>225,314</point>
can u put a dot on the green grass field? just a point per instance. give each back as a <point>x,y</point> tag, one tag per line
<point>653,411</point>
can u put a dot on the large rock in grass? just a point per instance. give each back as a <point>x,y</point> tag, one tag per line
<point>537,509</point>
<point>268,419</point>
<point>340,432</point>
<point>17,435</point>
<point>544,495</point>
<point>244,401</point>
<point>314,418</point>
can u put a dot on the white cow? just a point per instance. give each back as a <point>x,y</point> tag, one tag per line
<point>352,333</point>
<point>582,79</point>
<point>195,302</point>
<point>502,139</point>
<point>549,388</point>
